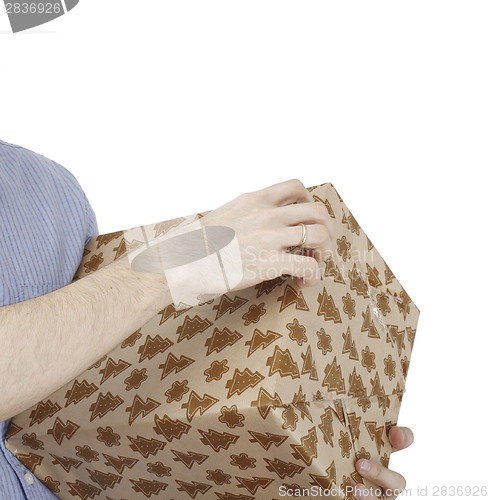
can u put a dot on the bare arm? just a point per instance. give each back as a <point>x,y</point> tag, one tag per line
<point>49,340</point>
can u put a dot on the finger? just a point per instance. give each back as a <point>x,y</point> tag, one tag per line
<point>299,266</point>
<point>284,193</point>
<point>400,437</point>
<point>392,482</point>
<point>309,252</point>
<point>317,238</point>
<point>307,213</point>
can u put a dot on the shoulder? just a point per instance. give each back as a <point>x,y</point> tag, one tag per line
<point>26,173</point>
<point>23,160</point>
<point>45,221</point>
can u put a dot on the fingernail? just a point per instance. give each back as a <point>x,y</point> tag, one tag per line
<point>402,439</point>
<point>361,491</point>
<point>363,465</point>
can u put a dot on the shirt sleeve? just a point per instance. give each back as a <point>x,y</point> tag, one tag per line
<point>91,221</point>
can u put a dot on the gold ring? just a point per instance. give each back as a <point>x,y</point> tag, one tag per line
<point>304,235</point>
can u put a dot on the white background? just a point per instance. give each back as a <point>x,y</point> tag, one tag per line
<point>168,108</point>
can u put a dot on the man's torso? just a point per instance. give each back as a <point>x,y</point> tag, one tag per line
<point>45,222</point>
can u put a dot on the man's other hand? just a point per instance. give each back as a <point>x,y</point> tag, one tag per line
<point>391,482</point>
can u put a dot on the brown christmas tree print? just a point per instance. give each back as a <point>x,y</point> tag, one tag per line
<point>83,490</point>
<point>104,404</point>
<point>153,346</point>
<point>190,458</point>
<point>199,404</point>
<point>66,462</point>
<point>141,408</point>
<point>254,483</point>
<point>60,430</point>
<point>281,362</point>
<point>262,340</point>
<point>228,305</point>
<point>292,297</point>
<point>170,428</point>
<point>333,379</point>
<point>283,469</point>
<point>148,487</point>
<point>242,380</point>
<point>79,391</point>
<point>43,411</point>
<point>272,385</point>
<point>191,327</point>
<point>221,339</point>
<point>112,369</point>
<point>307,449</point>
<point>174,364</point>
<point>119,463</point>
<point>30,460</point>
<point>327,307</point>
<point>193,488</point>
<point>266,440</point>
<point>218,440</point>
<point>144,446</point>
<point>104,479</point>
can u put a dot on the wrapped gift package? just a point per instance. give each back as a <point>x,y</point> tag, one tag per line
<point>265,392</point>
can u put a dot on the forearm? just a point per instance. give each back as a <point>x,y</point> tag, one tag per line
<point>49,340</point>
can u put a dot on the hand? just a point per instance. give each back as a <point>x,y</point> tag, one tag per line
<point>391,482</point>
<point>266,223</point>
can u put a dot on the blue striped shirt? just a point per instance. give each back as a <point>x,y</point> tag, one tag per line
<point>45,222</point>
